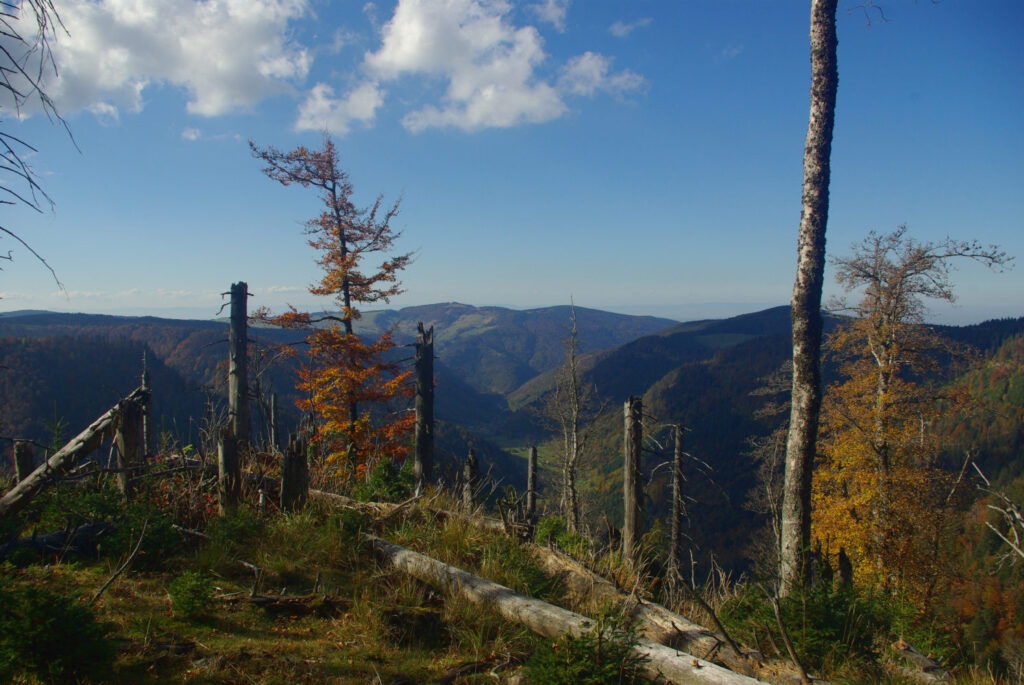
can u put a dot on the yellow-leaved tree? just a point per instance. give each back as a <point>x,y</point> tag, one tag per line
<point>878,492</point>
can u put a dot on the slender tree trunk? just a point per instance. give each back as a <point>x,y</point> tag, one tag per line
<point>228,477</point>
<point>675,555</point>
<point>274,444</point>
<point>423,464</point>
<point>470,480</point>
<point>531,484</point>
<point>631,484</point>
<point>238,371</point>
<point>806,306</point>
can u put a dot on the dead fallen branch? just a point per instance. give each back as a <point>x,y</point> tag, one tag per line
<point>927,670</point>
<point>546,619</point>
<point>655,621</point>
<point>81,445</point>
<point>81,541</point>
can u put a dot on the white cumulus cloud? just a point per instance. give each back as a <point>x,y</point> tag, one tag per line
<point>621,29</point>
<point>591,72</point>
<point>553,12</point>
<point>226,54</point>
<point>321,110</point>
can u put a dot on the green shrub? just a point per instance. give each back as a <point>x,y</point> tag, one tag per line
<point>386,483</point>
<point>190,593</point>
<point>50,636</point>
<point>504,560</point>
<point>828,628</point>
<point>604,655</point>
<point>552,530</point>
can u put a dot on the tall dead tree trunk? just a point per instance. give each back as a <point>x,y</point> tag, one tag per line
<point>675,552</point>
<point>128,440</point>
<point>423,464</point>
<point>294,474</point>
<point>806,305</point>
<point>24,460</point>
<point>632,489</point>
<point>238,369</point>
<point>531,485</point>
<point>274,445</point>
<point>470,480</point>
<point>229,481</point>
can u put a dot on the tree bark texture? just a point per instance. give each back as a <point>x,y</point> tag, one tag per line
<point>24,460</point>
<point>470,480</point>
<point>675,552</point>
<point>806,304</point>
<point>229,482</point>
<point>129,442</point>
<point>545,619</point>
<point>531,484</point>
<point>294,474</point>
<point>423,463</point>
<point>632,487</point>
<point>148,445</point>
<point>238,369</point>
<point>81,445</point>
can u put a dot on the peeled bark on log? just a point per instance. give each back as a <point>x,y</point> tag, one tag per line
<point>546,619</point>
<point>81,445</point>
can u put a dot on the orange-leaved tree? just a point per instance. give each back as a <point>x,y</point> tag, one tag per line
<point>351,384</point>
<point>878,492</point>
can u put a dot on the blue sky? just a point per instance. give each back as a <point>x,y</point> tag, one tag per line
<point>638,156</point>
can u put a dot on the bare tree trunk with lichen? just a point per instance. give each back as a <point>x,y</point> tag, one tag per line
<point>806,305</point>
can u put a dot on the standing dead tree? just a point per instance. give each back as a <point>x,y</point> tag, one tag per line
<point>632,481</point>
<point>423,464</point>
<point>806,306</point>
<point>238,369</point>
<point>572,406</point>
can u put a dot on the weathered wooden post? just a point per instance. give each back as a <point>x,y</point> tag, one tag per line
<point>675,551</point>
<point>147,412</point>
<point>423,464</point>
<point>294,474</point>
<point>238,368</point>
<point>470,480</point>
<point>274,445</point>
<point>24,460</point>
<point>229,481</point>
<point>531,485</point>
<point>631,483</point>
<point>128,441</point>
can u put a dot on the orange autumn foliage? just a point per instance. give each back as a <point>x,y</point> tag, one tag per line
<point>357,396</point>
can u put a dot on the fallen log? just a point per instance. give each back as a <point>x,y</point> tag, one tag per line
<point>655,621</point>
<point>928,669</point>
<point>81,541</point>
<point>81,445</point>
<point>385,510</point>
<point>546,619</point>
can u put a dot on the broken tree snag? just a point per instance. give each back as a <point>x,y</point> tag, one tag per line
<point>81,445</point>
<point>238,367</point>
<point>675,550</point>
<point>470,480</point>
<point>631,484</point>
<point>147,412</point>
<point>546,619</point>
<point>129,443</point>
<point>294,474</point>
<point>228,479</point>
<point>531,485</point>
<point>24,460</point>
<point>274,446</point>
<point>423,463</point>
